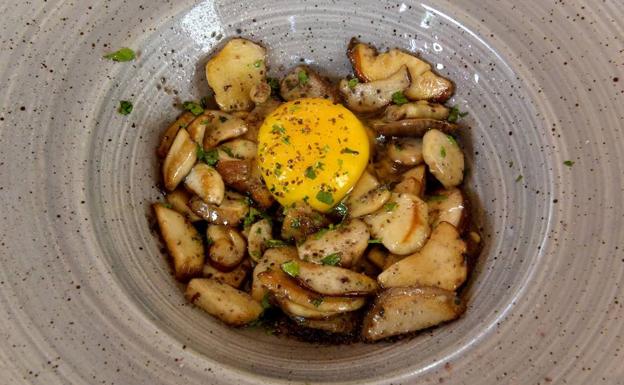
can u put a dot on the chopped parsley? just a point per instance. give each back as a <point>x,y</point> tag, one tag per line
<point>271,243</point>
<point>295,223</point>
<point>309,173</point>
<point>123,54</point>
<point>286,139</point>
<point>265,301</point>
<point>436,198</point>
<point>275,86</point>
<point>442,152</point>
<point>303,78</point>
<point>455,114</point>
<point>451,139</point>
<point>353,82</point>
<point>317,301</point>
<point>252,215</point>
<point>390,206</point>
<point>277,129</point>
<point>325,197</point>
<point>195,108</point>
<point>341,209</point>
<point>569,163</point>
<point>291,268</point>
<point>519,178</point>
<point>347,150</point>
<point>228,151</point>
<point>168,205</point>
<point>125,107</point>
<point>374,241</point>
<point>319,165</point>
<point>210,157</point>
<point>258,63</point>
<point>398,98</point>
<point>332,259</point>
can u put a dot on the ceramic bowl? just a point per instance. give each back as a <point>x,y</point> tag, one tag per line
<point>87,296</point>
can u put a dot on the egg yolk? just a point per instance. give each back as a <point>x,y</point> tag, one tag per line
<point>312,150</point>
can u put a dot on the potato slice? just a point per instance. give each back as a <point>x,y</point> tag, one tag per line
<point>206,182</point>
<point>444,158</point>
<point>183,242</point>
<point>233,278</point>
<point>369,65</point>
<point>271,260</point>
<point>179,201</point>
<point>406,151</point>
<point>421,109</point>
<point>298,311</point>
<point>282,286</point>
<point>403,310</point>
<point>402,224</point>
<point>172,131</point>
<point>439,263</point>
<point>369,97</point>
<point>227,247</point>
<point>413,181</point>
<point>232,306</point>
<point>180,160</point>
<point>304,82</point>
<point>367,196</point>
<point>244,176</point>
<point>301,220</point>
<point>259,233</point>
<point>240,148</point>
<point>343,323</point>
<point>230,212</point>
<point>334,281</point>
<point>233,71</point>
<point>411,127</point>
<point>448,206</point>
<point>348,240</point>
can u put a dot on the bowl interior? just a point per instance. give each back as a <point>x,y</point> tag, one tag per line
<point>502,139</point>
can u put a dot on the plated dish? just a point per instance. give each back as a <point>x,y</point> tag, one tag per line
<point>306,203</point>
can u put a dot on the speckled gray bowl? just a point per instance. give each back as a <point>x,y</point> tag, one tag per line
<point>86,296</point>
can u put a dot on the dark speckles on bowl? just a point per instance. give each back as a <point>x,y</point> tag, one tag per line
<point>87,295</point>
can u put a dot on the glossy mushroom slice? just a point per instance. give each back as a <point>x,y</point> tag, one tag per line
<point>234,278</point>
<point>444,158</point>
<point>272,259</point>
<point>206,183</point>
<point>348,241</point>
<point>172,131</point>
<point>221,127</point>
<point>232,306</point>
<point>301,220</point>
<point>413,182</point>
<point>421,109</point>
<point>372,96</point>
<point>407,309</point>
<point>281,285</point>
<point>227,247</point>
<point>183,242</point>
<point>367,196</point>
<point>343,323</point>
<point>259,233</point>
<point>230,212</point>
<point>234,71</point>
<point>411,127</point>
<point>304,82</point>
<point>402,225</point>
<point>260,93</point>
<point>239,149</point>
<point>179,201</point>
<point>244,176</point>
<point>180,160</point>
<point>439,263</point>
<point>333,280</point>
<point>297,311</point>
<point>406,151</point>
<point>369,65</point>
<point>448,206</point>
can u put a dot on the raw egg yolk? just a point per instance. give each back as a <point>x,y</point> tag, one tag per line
<point>312,150</point>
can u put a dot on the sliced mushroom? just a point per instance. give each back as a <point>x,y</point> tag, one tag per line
<point>439,263</point>
<point>403,310</point>
<point>402,224</point>
<point>378,256</point>
<point>259,233</point>
<point>421,109</point>
<point>234,71</point>
<point>297,311</point>
<point>411,127</point>
<point>240,149</point>
<point>367,196</point>
<point>233,278</point>
<point>343,323</point>
<point>180,160</point>
<point>448,206</point>
<point>179,201</point>
<point>369,65</point>
<point>413,181</point>
<point>348,240</point>
<point>386,170</point>
<point>230,212</point>
<point>221,127</point>
<point>232,306</point>
<point>256,117</point>
<point>206,183</point>
<point>406,151</point>
<point>244,176</point>
<point>260,93</point>
<point>369,97</point>
<point>183,242</point>
<point>227,247</point>
<point>304,82</point>
<point>301,220</point>
<point>334,280</point>
<point>444,158</point>
<point>172,131</point>
<point>282,286</point>
<point>271,260</point>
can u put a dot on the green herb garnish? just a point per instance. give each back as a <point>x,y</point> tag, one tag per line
<point>124,54</point>
<point>332,259</point>
<point>275,86</point>
<point>452,139</point>
<point>303,78</point>
<point>317,301</point>
<point>295,223</point>
<point>398,98</point>
<point>168,205</point>
<point>251,216</point>
<point>569,163</point>
<point>258,63</point>
<point>455,114</point>
<point>286,139</point>
<point>228,151</point>
<point>265,302</point>
<point>309,173</point>
<point>210,157</point>
<point>125,107</point>
<point>291,268</point>
<point>442,152</point>
<point>353,82</point>
<point>277,129</point>
<point>271,243</point>
<point>341,209</point>
<point>195,108</point>
<point>325,197</point>
<point>436,198</point>
<point>347,150</point>
<point>390,206</point>
<point>374,241</point>
<point>519,178</point>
